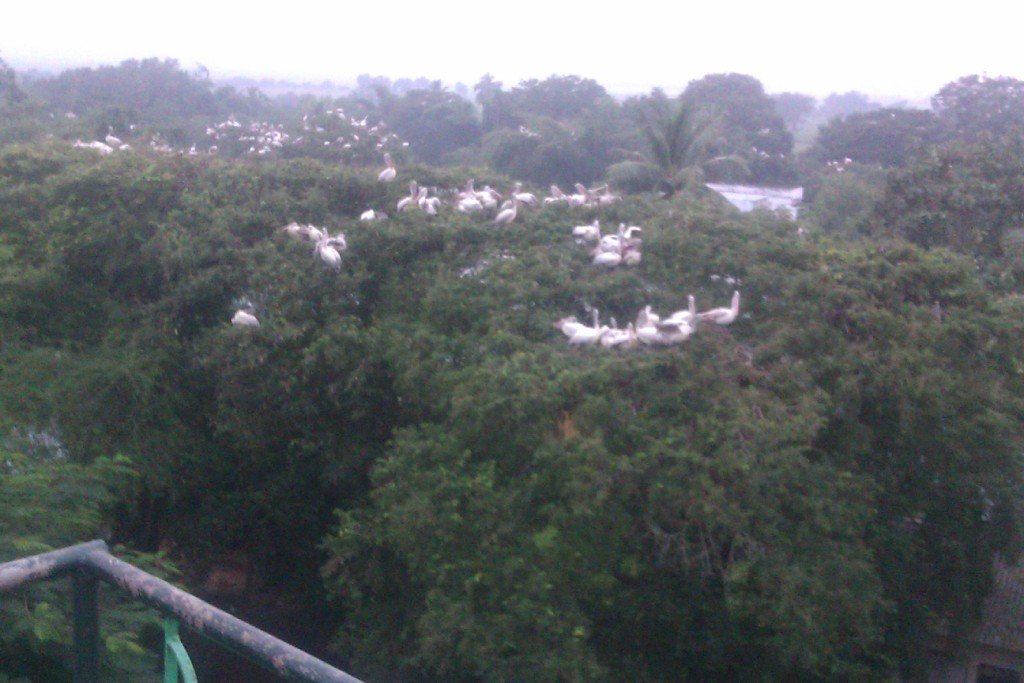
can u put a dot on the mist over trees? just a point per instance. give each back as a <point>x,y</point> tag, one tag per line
<point>416,476</point>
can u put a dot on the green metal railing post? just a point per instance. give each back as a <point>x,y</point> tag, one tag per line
<point>86,626</point>
<point>175,657</point>
<point>87,562</point>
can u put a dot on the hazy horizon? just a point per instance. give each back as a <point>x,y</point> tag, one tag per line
<point>882,49</point>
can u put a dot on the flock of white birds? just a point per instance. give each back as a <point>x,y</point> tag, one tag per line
<point>333,128</point>
<point>650,329</point>
<point>609,251</point>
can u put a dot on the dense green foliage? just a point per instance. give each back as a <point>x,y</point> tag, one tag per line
<point>409,439</point>
<point>886,137</point>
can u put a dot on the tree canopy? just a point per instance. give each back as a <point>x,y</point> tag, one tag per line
<point>412,459</point>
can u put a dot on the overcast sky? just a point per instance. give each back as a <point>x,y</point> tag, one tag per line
<point>885,48</point>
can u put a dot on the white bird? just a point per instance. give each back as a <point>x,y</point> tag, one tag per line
<point>587,336</point>
<point>723,316</point>
<point>328,254</point>
<point>371,215</point>
<point>295,230</point>
<point>96,145</point>
<point>112,139</point>
<point>337,242</point>
<point>651,330</point>
<point>569,326</point>
<point>610,243</point>
<point>556,195</point>
<point>631,257</point>
<point>506,216</point>
<point>467,201</point>
<point>608,259</point>
<point>582,196</point>
<point>469,205</point>
<point>527,198</point>
<point>578,333</point>
<point>605,197</point>
<point>647,317</point>
<point>429,205</point>
<point>689,316</point>
<point>406,203</point>
<point>616,337</point>
<point>588,234</point>
<point>389,173</point>
<point>243,318</point>
<point>489,197</point>
<point>673,333</point>
<point>305,232</point>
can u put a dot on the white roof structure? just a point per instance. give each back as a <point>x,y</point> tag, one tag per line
<point>748,197</point>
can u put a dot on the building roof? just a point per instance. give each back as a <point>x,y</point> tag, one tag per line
<point>750,197</point>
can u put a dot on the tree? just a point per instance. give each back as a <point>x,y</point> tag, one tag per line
<point>563,98</point>
<point>756,517</point>
<point>974,105</point>
<point>10,93</point>
<point>844,200</point>
<point>748,127</point>
<point>434,121</point>
<point>495,104</point>
<point>844,104</point>
<point>793,108</point>
<point>679,146</point>
<point>966,197</point>
<point>887,137</point>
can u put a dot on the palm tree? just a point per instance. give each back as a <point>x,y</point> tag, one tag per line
<point>680,145</point>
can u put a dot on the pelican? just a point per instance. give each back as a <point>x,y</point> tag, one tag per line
<point>328,254</point>
<point>616,337</point>
<point>646,317</point>
<point>371,215</point>
<point>243,318</point>
<point>389,173</point>
<point>578,333</point>
<point>428,205</point>
<point>653,332</point>
<point>508,215</point>
<point>723,316</point>
<point>100,147</point>
<point>605,197</point>
<point>294,229</point>
<point>569,326</point>
<point>312,233</point>
<point>409,202</point>
<point>527,198</point>
<point>112,139</point>
<point>556,195</point>
<point>586,336</point>
<point>689,316</point>
<point>306,232</point>
<point>673,333</point>
<point>488,197</point>
<point>608,259</point>
<point>588,234</point>
<point>582,196</point>
<point>469,204</point>
<point>467,201</point>
<point>337,242</point>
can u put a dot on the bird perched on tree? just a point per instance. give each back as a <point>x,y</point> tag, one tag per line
<point>243,318</point>
<point>723,316</point>
<point>389,173</point>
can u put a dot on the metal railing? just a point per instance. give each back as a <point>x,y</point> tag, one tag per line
<point>89,563</point>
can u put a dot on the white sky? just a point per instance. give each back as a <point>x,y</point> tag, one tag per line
<point>904,49</point>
